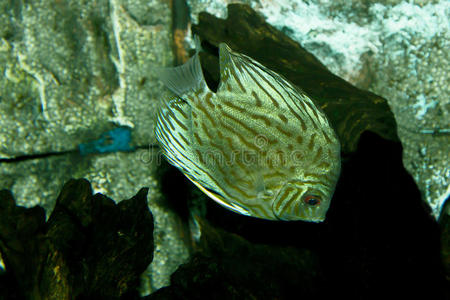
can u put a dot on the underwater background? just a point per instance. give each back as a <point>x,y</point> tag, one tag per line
<point>79,95</point>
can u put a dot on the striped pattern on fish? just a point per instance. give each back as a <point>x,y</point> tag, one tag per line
<point>258,146</point>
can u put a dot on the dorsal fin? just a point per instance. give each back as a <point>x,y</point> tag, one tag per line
<point>231,72</point>
<point>185,78</point>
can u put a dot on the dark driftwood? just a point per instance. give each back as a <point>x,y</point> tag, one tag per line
<point>89,248</point>
<point>350,110</point>
<point>227,266</point>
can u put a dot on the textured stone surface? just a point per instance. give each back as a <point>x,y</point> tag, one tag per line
<point>38,181</point>
<point>58,71</point>
<point>72,71</point>
<point>412,71</point>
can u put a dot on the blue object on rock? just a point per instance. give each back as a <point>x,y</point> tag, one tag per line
<point>114,140</point>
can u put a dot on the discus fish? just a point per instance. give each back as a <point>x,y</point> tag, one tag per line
<point>259,146</point>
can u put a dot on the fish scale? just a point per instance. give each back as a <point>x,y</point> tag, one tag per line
<point>259,146</point>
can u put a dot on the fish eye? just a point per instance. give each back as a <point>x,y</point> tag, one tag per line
<point>312,200</point>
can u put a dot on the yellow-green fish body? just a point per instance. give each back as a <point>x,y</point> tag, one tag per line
<point>258,146</point>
